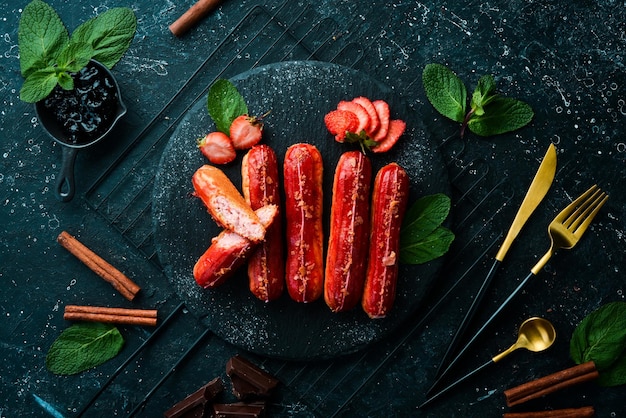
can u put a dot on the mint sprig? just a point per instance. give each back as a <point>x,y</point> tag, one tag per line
<point>83,346</point>
<point>422,236</point>
<point>489,113</point>
<point>48,55</point>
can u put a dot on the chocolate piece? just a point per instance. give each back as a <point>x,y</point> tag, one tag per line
<point>194,405</point>
<point>249,381</point>
<point>239,410</point>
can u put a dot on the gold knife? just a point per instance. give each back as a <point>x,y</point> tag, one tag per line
<point>536,192</point>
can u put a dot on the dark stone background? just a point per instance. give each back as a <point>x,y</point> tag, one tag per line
<point>566,59</point>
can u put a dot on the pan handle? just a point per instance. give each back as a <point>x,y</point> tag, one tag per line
<point>65,184</point>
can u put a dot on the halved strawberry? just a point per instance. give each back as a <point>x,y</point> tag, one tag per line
<point>218,148</point>
<point>246,131</point>
<point>371,111</point>
<point>338,122</point>
<point>382,110</point>
<point>360,112</point>
<point>396,129</point>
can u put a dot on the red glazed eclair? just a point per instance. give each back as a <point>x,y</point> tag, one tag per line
<point>225,204</point>
<point>260,184</point>
<point>304,267</point>
<point>389,200</point>
<point>227,252</point>
<point>346,258</point>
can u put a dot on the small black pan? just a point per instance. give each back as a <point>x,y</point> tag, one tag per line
<point>65,187</point>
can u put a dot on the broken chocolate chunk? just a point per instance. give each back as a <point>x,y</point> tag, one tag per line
<point>194,405</point>
<point>239,410</point>
<point>249,381</point>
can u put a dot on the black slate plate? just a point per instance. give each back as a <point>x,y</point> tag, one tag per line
<point>298,94</point>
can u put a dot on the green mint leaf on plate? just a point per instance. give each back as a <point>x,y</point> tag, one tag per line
<point>83,346</point>
<point>601,337</point>
<point>436,244</point>
<point>445,91</point>
<point>501,114</point>
<point>39,84</point>
<point>109,34</point>
<point>41,35</point>
<point>422,237</point>
<point>225,104</point>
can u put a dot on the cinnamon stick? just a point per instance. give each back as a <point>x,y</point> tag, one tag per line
<point>584,412</point>
<point>192,16</point>
<point>116,278</point>
<point>111,315</point>
<point>551,383</point>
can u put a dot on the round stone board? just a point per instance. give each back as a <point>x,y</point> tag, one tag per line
<point>298,94</point>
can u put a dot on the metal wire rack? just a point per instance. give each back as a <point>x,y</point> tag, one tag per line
<point>122,195</point>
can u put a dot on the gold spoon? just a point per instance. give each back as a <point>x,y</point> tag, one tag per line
<point>535,334</point>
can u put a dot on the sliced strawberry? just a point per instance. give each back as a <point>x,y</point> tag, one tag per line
<point>382,110</point>
<point>218,148</point>
<point>371,111</point>
<point>396,129</point>
<point>246,131</point>
<point>360,112</point>
<point>338,122</point>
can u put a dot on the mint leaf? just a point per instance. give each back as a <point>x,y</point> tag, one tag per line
<point>109,34</point>
<point>38,85</point>
<point>41,35</point>
<point>502,114</point>
<point>614,375</point>
<point>45,45</point>
<point>74,57</point>
<point>422,238</point>
<point>65,80</point>
<point>426,214</point>
<point>601,337</point>
<point>83,346</point>
<point>483,94</point>
<point>429,248</point>
<point>225,104</point>
<point>489,114</point>
<point>445,91</point>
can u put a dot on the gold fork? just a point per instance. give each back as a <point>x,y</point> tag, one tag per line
<point>568,226</point>
<point>565,231</point>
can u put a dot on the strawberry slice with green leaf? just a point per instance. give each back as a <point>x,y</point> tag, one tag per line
<point>217,148</point>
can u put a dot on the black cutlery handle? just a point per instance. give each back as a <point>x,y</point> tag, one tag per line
<point>454,384</point>
<point>469,315</point>
<point>493,316</point>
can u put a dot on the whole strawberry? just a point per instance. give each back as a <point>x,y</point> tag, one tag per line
<point>246,131</point>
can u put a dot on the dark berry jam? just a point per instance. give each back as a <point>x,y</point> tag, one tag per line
<point>86,112</point>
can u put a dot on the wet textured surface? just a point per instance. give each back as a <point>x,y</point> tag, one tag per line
<point>566,59</point>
